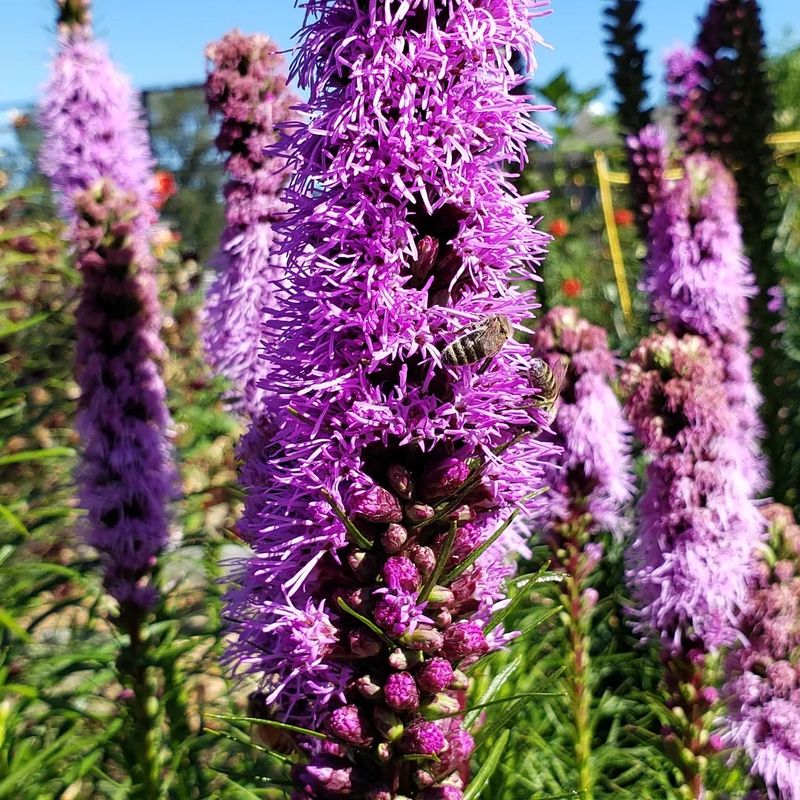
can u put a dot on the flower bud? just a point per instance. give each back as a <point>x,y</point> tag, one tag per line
<point>441,617</point>
<point>400,573</point>
<point>375,504</point>
<point>418,512</point>
<point>394,538</point>
<point>402,660</point>
<point>384,751</point>
<point>379,793</point>
<point>460,681</point>
<point>363,564</point>
<point>348,724</point>
<point>444,478</point>
<point>464,639</point>
<point>435,675</point>
<point>424,559</point>
<point>424,738</point>
<point>401,692</point>
<point>440,596</point>
<point>442,705</point>
<point>443,793</point>
<point>389,725</point>
<point>368,689</point>
<point>427,252</point>
<point>401,481</point>
<point>463,513</point>
<point>425,639</point>
<point>363,644</point>
<point>423,779</point>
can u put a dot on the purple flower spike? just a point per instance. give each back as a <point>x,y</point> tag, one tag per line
<point>390,463</point>
<point>246,85</point>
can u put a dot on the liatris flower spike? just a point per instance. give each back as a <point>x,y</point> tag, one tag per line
<point>405,415</point>
<point>246,85</point>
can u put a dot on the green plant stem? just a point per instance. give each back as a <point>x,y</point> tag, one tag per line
<point>136,673</point>
<point>578,675</point>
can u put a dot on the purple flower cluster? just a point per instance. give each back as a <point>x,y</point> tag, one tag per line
<point>699,529</point>
<point>591,479</point>
<point>93,126</point>
<point>126,477</point>
<point>247,87</point>
<point>359,609</point>
<point>699,282</point>
<point>687,90</point>
<point>763,687</point>
<point>647,156</point>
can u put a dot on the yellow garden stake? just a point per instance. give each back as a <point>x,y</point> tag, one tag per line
<point>613,235</point>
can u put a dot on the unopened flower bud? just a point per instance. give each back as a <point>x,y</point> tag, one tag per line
<point>443,793</point>
<point>389,725</point>
<point>441,617</point>
<point>363,644</point>
<point>348,724</point>
<point>418,512</point>
<point>424,738</point>
<point>401,692</point>
<point>423,779</point>
<point>375,504</point>
<point>363,564</point>
<point>460,681</point>
<point>424,559</point>
<point>435,675</point>
<point>425,639</point>
<point>402,659</point>
<point>368,689</point>
<point>427,252</point>
<point>379,793</point>
<point>442,705</point>
<point>401,481</point>
<point>440,596</point>
<point>715,742</point>
<point>400,573</point>
<point>384,751</point>
<point>463,513</point>
<point>709,694</point>
<point>464,639</point>
<point>444,478</point>
<point>394,538</point>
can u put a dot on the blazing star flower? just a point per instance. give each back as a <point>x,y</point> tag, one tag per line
<point>647,156</point>
<point>247,86</point>
<point>593,474</point>
<point>686,90</point>
<point>97,157</point>
<point>126,477</point>
<point>699,282</point>
<point>93,126</point>
<point>699,528</point>
<point>389,468</point>
<point>763,686</point>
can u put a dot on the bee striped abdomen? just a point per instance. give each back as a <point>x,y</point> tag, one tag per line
<point>484,340</point>
<point>547,382</point>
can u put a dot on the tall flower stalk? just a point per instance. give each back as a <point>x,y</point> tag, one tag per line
<point>763,675</point>
<point>695,550</point>
<point>96,155</point>
<point>246,85</point>
<point>405,414</point>
<point>699,282</point>
<point>590,483</point>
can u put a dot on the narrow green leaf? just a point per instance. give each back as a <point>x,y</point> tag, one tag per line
<point>15,327</point>
<point>542,576</point>
<point>487,768</point>
<point>270,723</point>
<point>444,556</point>
<point>365,621</point>
<point>8,622</point>
<point>353,532</point>
<point>13,520</point>
<point>37,455</point>
<point>491,691</point>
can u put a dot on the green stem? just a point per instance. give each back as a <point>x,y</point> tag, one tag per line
<point>578,676</point>
<point>136,674</point>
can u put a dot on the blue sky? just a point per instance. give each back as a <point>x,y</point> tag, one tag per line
<point>160,42</point>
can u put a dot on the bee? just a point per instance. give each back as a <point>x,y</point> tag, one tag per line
<point>548,381</point>
<point>477,342</point>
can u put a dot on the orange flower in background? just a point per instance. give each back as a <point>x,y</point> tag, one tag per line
<point>572,287</point>
<point>164,185</point>
<point>623,217</point>
<point>559,227</point>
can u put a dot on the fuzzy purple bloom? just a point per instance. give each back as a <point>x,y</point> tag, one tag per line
<point>763,675</point>
<point>592,477</point>
<point>686,90</point>
<point>404,231</point>
<point>126,477</point>
<point>246,85</point>
<point>699,529</point>
<point>93,126</point>
<point>699,282</point>
<point>647,156</point>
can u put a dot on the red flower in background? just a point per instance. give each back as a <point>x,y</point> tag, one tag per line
<point>572,287</point>
<point>624,217</point>
<point>559,227</point>
<point>164,187</point>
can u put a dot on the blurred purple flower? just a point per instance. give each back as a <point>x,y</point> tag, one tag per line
<point>246,85</point>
